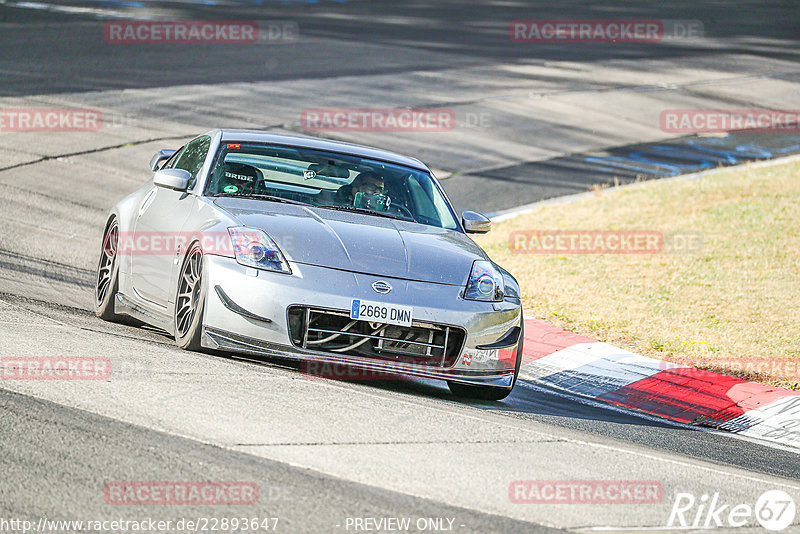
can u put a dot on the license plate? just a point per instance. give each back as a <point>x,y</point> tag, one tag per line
<point>380,312</point>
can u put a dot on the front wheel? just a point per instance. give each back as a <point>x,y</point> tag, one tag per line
<point>107,281</point>
<point>190,301</point>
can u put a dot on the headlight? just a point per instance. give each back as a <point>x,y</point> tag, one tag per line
<point>485,283</point>
<point>256,249</point>
<point>511,287</point>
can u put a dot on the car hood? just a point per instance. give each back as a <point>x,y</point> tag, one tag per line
<point>360,243</point>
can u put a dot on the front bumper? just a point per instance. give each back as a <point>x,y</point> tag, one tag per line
<point>257,321</point>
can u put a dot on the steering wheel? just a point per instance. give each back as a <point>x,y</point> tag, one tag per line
<point>248,188</point>
<point>403,210</point>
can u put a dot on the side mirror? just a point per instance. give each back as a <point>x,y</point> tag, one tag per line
<point>175,179</point>
<point>160,156</point>
<point>475,223</point>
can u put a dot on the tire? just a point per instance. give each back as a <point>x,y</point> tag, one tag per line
<point>106,283</point>
<point>490,393</point>
<point>190,301</point>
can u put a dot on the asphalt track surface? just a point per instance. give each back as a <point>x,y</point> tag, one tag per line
<point>324,451</point>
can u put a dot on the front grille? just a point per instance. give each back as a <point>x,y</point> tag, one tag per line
<point>333,331</point>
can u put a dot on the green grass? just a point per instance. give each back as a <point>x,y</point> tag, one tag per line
<point>733,302</point>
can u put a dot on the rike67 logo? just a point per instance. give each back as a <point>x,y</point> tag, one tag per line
<point>774,510</point>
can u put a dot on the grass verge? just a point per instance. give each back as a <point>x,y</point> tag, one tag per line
<point>730,304</point>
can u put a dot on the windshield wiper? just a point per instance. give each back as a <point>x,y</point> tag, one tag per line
<point>367,212</point>
<point>272,198</point>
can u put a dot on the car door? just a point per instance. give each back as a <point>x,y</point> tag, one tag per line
<point>159,228</point>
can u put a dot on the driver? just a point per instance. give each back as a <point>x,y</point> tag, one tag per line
<point>367,182</point>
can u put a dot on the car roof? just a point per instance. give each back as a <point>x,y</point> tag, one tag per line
<point>261,136</point>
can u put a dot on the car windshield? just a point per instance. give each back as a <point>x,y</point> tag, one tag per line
<point>329,180</point>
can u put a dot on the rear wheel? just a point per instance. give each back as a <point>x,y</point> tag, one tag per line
<point>490,393</point>
<point>106,281</point>
<point>190,301</point>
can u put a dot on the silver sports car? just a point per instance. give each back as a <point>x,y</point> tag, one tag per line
<point>329,253</point>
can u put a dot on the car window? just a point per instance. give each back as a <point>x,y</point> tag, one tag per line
<point>193,157</point>
<point>423,199</point>
<point>329,180</point>
<point>173,159</point>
